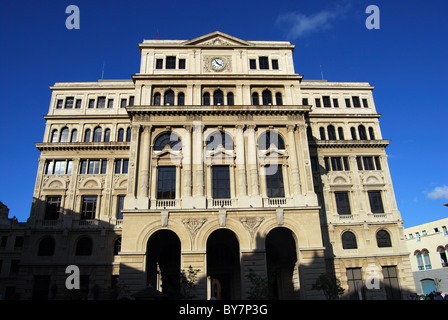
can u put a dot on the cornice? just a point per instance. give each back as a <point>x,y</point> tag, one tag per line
<point>349,143</point>
<point>75,146</point>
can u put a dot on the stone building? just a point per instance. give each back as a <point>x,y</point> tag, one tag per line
<point>218,156</point>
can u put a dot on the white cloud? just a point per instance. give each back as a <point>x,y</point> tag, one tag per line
<point>438,193</point>
<point>301,24</point>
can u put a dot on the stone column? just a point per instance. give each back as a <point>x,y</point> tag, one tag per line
<point>198,166</point>
<point>130,200</point>
<point>143,199</point>
<point>252,160</point>
<point>240,162</point>
<point>294,166</point>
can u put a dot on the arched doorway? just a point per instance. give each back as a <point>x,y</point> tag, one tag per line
<point>281,259</point>
<point>163,262</point>
<point>223,265</point>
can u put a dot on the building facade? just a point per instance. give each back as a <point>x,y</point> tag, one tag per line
<point>428,246</point>
<point>218,156</point>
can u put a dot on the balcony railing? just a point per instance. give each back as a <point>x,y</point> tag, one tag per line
<point>167,203</point>
<point>274,202</point>
<point>221,203</point>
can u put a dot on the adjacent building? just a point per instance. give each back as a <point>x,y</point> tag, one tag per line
<point>218,156</point>
<point>428,246</point>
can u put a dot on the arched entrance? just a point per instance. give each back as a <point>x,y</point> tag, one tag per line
<point>163,262</point>
<point>281,258</point>
<point>223,265</point>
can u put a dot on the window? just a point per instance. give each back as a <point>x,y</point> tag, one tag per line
<point>275,64</point>
<point>355,284</point>
<point>268,138</point>
<point>171,139</point>
<point>327,102</point>
<point>341,133</point>
<point>84,247</point>
<point>59,103</point>
<point>278,99</point>
<point>181,99</point>
<point>255,100</point>
<point>365,103</point>
<point>91,103</point>
<point>322,133</point>
<point>159,63</point>
<point>157,99</point>
<point>274,181</point>
<point>64,135</point>
<point>54,136</point>
<point>46,247</point>
<point>97,134</point>
<point>59,167</point>
<point>218,98</point>
<point>349,240</point>
<point>206,99</point>
<point>266,96</point>
<point>376,203</point>
<point>353,133</point>
<point>348,103</point>
<point>418,256</point>
<point>342,202</point>
<point>101,103</point>
<point>52,208</point>
<point>128,134</point>
<point>181,63</point>
<point>69,102</point>
<point>123,103</point>
<point>356,102</point>
<point>390,278</point>
<point>120,204</point>
<point>87,135</point>
<point>371,133</point>
<point>252,64</point>
<point>74,137</point>
<point>230,99</point>
<point>110,103</point>
<point>131,100</point>
<point>169,98</point>
<point>331,132</point>
<point>335,103</point>
<point>317,100</point>
<point>263,62</point>
<point>221,182</point>
<point>170,63</point>
<point>121,166</point>
<point>443,258</point>
<point>93,167</point>
<point>88,207</point>
<point>383,239</point>
<point>120,137</point>
<point>107,135</point>
<point>218,138</point>
<point>362,132</point>
<point>338,163</point>
<point>117,246</point>
<point>368,163</point>
<point>426,259</point>
<point>305,101</point>
<point>166,182</point>
<point>78,104</point>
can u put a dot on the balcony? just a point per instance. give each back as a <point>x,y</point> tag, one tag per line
<point>167,203</point>
<point>221,203</point>
<point>274,202</point>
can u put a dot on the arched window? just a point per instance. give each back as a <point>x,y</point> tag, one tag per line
<point>74,137</point>
<point>219,138</point>
<point>157,98</point>
<point>322,133</point>
<point>426,259</point>
<point>371,133</point>
<point>255,100</point>
<point>97,134</point>
<point>117,246</point>
<point>268,138</point>
<point>107,135</point>
<point>218,98</point>
<point>266,96</point>
<point>120,137</point>
<point>383,239</point>
<point>206,99</point>
<point>87,135</point>
<point>169,138</point>
<point>84,247</point>
<point>64,135</point>
<point>418,256</point>
<point>128,134</point>
<point>278,99</point>
<point>362,132</point>
<point>181,99</point>
<point>341,133</point>
<point>331,132</point>
<point>54,136</point>
<point>46,247</point>
<point>349,240</point>
<point>169,98</point>
<point>443,258</point>
<point>230,99</point>
<point>353,132</point>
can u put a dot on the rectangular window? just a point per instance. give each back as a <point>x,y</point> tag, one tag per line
<point>91,103</point>
<point>326,101</point>
<point>336,163</point>
<point>335,103</point>
<point>275,64</point>
<point>305,101</point>
<point>317,100</point>
<point>94,167</point>
<point>364,103</point>
<point>181,63</point>
<point>221,182</point>
<point>78,104</point>
<point>103,166</point>
<point>110,103</point>
<point>131,100</point>
<point>390,277</point>
<point>159,63</point>
<point>123,103</point>
<point>69,102</point>
<point>346,165</point>
<point>274,181</point>
<point>342,202</point>
<point>263,62</point>
<point>59,166</point>
<point>355,283</point>
<point>356,102</point>
<point>121,166</point>
<point>347,103</point>
<point>170,63</point>
<point>120,207</point>
<point>368,163</point>
<point>59,104</point>
<point>52,208</point>
<point>252,64</point>
<point>166,182</point>
<point>376,203</point>
<point>101,103</point>
<point>88,208</point>
<point>377,163</point>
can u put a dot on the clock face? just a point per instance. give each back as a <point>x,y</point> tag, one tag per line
<point>218,63</point>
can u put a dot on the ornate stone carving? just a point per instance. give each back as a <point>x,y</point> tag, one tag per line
<point>193,225</point>
<point>252,223</point>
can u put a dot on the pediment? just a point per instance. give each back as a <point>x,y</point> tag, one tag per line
<point>217,39</point>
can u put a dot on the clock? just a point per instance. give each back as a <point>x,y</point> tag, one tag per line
<point>218,63</point>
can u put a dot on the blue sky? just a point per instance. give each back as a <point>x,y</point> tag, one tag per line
<point>406,61</point>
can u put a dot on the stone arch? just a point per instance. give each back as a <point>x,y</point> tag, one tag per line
<point>233,225</point>
<point>149,229</point>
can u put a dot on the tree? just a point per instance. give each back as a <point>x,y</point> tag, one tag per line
<point>188,281</point>
<point>259,286</point>
<point>330,285</point>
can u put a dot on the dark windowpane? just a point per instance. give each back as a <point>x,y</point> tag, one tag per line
<point>348,103</point>
<point>78,104</point>
<point>110,103</point>
<point>69,102</point>
<point>88,207</point>
<point>264,62</point>
<point>123,103</point>
<point>326,101</point>
<point>356,102</point>
<point>166,182</point>
<point>206,99</point>
<point>230,100</point>
<point>159,63</point>
<point>317,100</point>
<point>342,202</point>
<point>120,135</point>
<point>170,63</point>
<point>64,135</point>
<point>181,99</point>
<point>376,203</point>
<point>274,181</point>
<point>341,133</point>
<point>349,240</point>
<point>181,63</point>
<point>269,138</point>
<point>221,182</point>
<point>101,102</point>
<point>87,135</point>
<point>331,132</point>
<point>275,64</point>
<point>355,284</point>
<point>218,138</point>
<point>157,99</point>
<point>97,133</point>
<point>278,99</point>
<point>362,132</point>
<point>383,239</point>
<point>377,163</point>
<point>170,139</point>
<point>336,163</point>
<point>368,163</point>
<point>336,103</point>
<point>266,97</point>
<point>169,98</point>
<point>52,208</point>
<point>218,98</point>
<point>392,285</point>
<point>365,103</point>
<point>255,100</point>
<point>252,64</point>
